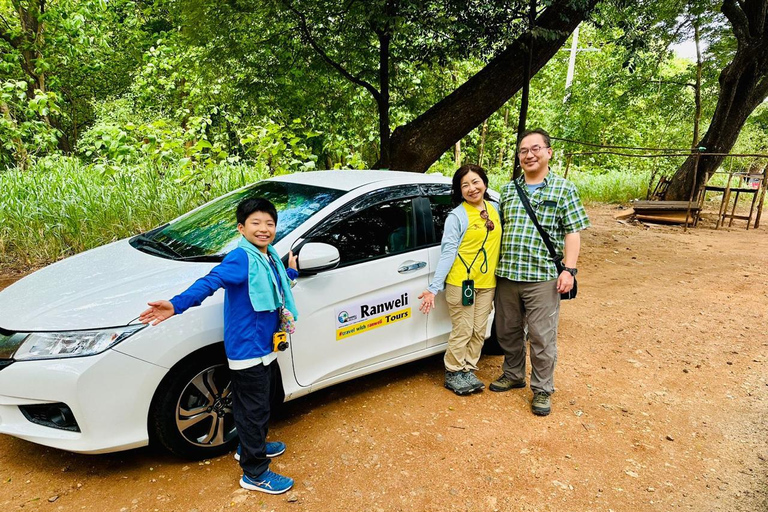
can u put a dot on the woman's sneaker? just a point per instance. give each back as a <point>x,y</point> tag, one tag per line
<point>273,450</point>
<point>268,482</point>
<point>473,382</point>
<point>456,383</point>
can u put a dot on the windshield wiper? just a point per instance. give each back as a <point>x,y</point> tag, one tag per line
<point>155,247</point>
<point>206,258</point>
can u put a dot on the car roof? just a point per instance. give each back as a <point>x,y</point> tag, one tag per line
<point>351,179</point>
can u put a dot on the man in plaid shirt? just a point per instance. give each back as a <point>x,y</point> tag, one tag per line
<point>528,287</point>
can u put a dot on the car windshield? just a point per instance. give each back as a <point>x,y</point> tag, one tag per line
<point>211,231</point>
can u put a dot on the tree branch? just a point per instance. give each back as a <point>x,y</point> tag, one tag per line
<point>335,65</point>
<point>738,19</point>
<point>5,21</point>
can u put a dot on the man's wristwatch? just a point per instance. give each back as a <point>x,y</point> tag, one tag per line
<point>572,271</point>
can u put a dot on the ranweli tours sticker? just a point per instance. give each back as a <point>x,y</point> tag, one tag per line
<point>360,317</point>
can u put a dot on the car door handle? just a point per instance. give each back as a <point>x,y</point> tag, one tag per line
<point>410,266</point>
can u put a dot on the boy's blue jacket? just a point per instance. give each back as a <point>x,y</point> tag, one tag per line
<point>247,332</point>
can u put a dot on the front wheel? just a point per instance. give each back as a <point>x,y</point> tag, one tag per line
<point>191,414</point>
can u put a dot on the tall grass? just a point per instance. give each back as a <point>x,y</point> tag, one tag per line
<point>609,186</point>
<point>64,207</point>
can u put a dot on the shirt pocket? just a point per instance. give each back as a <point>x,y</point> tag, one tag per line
<point>546,211</point>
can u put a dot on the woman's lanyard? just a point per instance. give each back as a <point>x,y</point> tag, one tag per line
<point>484,265</point>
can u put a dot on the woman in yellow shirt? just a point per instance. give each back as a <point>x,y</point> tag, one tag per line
<point>469,253</point>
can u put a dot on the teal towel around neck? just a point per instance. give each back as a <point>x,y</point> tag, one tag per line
<point>262,288</point>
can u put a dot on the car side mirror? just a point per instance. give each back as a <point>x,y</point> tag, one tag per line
<point>317,256</point>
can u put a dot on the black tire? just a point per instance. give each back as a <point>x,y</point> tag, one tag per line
<point>491,346</point>
<point>191,412</point>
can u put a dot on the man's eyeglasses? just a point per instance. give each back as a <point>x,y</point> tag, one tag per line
<point>533,149</point>
<point>488,222</point>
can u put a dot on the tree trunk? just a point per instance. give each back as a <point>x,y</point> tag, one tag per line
<point>503,138</point>
<point>418,144</point>
<point>383,100</point>
<point>483,134</point>
<point>743,86</point>
<point>523,117</point>
<point>457,153</point>
<point>697,92</point>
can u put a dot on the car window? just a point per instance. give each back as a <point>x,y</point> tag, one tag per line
<point>441,206</point>
<point>379,230</point>
<point>212,230</point>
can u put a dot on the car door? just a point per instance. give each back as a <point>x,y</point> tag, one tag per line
<point>439,321</point>
<point>362,315</point>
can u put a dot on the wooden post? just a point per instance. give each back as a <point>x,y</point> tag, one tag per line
<point>724,203</point>
<point>733,211</point>
<point>762,197</point>
<point>702,197</point>
<point>693,189</point>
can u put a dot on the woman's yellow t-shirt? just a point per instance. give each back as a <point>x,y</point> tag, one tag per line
<point>483,271</point>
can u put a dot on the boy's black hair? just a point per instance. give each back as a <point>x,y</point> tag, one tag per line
<point>462,171</point>
<point>255,204</point>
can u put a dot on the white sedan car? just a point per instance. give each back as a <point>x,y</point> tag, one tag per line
<point>80,373</point>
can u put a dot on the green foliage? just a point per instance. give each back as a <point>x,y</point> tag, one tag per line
<point>24,132</point>
<point>176,98</point>
<point>61,207</point>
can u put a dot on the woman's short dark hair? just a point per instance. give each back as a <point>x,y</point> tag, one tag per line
<point>255,204</point>
<point>462,171</point>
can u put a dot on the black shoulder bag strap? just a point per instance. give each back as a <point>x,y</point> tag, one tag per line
<point>545,237</point>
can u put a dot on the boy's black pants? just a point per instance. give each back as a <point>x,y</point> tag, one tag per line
<point>253,389</point>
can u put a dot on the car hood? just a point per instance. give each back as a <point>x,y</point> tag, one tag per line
<point>104,287</point>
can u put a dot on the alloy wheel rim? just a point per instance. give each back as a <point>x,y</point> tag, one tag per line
<point>204,410</point>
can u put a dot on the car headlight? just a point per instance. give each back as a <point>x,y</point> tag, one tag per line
<point>54,345</point>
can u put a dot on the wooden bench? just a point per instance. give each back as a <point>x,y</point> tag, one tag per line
<point>669,212</point>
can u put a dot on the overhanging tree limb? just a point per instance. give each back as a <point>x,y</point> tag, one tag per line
<point>418,144</point>
<point>304,27</point>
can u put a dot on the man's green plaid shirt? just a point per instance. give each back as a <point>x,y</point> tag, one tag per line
<point>524,257</point>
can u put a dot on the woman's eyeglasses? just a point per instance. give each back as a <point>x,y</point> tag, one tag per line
<point>488,222</point>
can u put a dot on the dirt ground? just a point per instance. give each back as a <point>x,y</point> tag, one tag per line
<point>661,404</point>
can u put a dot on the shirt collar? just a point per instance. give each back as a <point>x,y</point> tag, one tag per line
<point>521,180</point>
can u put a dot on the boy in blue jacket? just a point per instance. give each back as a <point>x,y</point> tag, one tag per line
<point>257,287</point>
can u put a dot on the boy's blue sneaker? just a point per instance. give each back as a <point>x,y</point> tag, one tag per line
<point>268,482</point>
<point>273,450</point>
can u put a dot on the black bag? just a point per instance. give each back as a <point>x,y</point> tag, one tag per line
<point>545,237</point>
